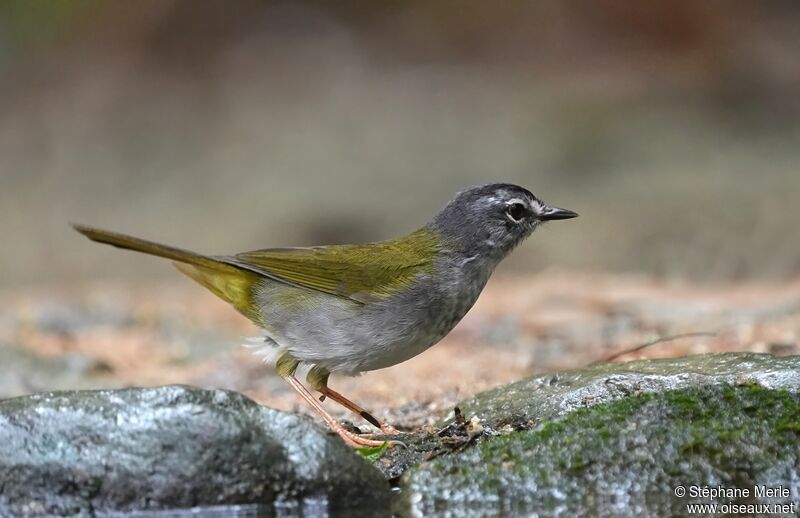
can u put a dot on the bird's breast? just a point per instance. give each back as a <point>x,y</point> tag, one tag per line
<point>440,302</point>
<point>349,337</point>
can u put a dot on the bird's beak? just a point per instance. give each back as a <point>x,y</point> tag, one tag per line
<point>551,213</point>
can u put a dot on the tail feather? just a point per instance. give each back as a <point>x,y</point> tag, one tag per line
<point>228,282</point>
<point>150,247</point>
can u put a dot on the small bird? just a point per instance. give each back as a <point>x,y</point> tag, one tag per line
<point>349,309</point>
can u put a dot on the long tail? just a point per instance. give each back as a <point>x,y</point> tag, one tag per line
<point>228,282</point>
<point>149,247</point>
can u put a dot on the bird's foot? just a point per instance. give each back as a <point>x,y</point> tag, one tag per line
<point>357,441</point>
<point>387,429</point>
<point>376,437</point>
<point>362,440</point>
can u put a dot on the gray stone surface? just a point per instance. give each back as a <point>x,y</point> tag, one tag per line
<point>525,403</point>
<point>618,439</point>
<point>173,447</point>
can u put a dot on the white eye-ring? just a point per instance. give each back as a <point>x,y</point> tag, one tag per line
<point>516,210</point>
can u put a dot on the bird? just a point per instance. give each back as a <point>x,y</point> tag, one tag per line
<point>352,308</point>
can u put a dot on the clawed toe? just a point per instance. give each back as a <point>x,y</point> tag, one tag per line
<point>391,442</point>
<point>388,429</point>
<point>366,440</point>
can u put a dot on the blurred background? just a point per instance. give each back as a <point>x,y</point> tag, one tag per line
<point>671,126</point>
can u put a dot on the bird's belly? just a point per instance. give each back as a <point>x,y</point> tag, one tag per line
<point>397,332</point>
<point>403,346</point>
<point>348,337</point>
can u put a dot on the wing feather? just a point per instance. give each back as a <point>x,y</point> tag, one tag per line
<point>357,272</point>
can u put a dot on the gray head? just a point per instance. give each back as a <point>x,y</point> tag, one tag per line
<point>492,219</point>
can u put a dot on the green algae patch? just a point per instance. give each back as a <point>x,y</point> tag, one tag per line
<point>625,456</point>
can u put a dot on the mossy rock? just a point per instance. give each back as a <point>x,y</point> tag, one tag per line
<point>530,402</point>
<point>526,403</point>
<point>625,457</point>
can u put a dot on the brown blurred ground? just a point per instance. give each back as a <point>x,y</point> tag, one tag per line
<point>120,335</point>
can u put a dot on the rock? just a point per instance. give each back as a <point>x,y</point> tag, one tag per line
<point>626,458</point>
<point>525,403</point>
<point>619,439</point>
<point>173,447</point>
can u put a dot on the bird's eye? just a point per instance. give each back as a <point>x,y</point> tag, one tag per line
<point>516,211</point>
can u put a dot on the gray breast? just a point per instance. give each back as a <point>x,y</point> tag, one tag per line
<point>451,295</point>
<point>348,337</point>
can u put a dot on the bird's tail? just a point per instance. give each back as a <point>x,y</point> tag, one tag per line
<point>228,282</point>
<point>149,247</point>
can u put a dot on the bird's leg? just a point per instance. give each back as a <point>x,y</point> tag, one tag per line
<point>386,428</point>
<point>286,366</point>
<point>347,436</point>
<point>318,379</point>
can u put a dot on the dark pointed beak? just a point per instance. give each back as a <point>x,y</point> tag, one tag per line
<point>551,213</point>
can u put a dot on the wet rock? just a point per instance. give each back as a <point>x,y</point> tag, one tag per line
<point>525,403</point>
<point>532,401</point>
<point>619,439</point>
<point>173,447</point>
<point>626,458</point>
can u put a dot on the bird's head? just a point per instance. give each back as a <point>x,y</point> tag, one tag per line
<point>492,219</point>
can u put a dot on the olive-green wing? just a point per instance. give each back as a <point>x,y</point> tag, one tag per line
<point>359,272</point>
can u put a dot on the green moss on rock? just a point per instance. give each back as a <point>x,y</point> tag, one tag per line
<point>525,403</point>
<point>626,456</point>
